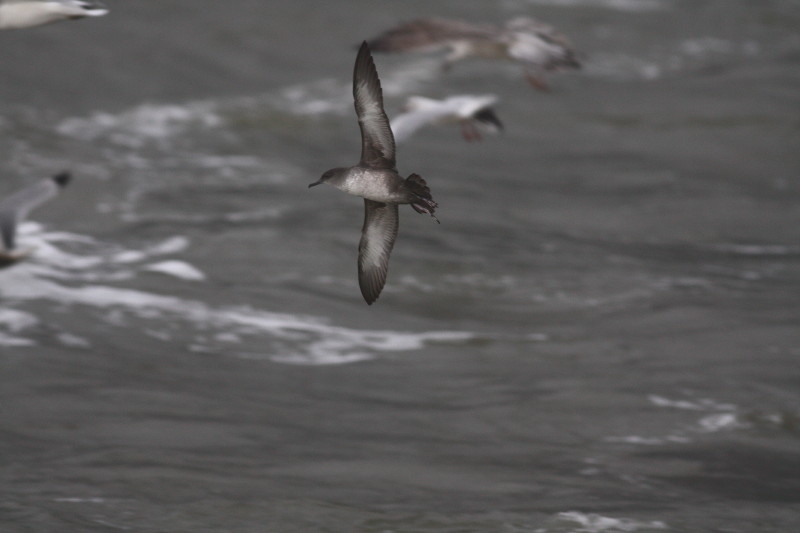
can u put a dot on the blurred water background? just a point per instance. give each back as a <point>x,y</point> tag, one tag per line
<point>601,336</point>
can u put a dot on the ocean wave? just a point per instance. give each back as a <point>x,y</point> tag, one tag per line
<point>134,127</point>
<point>596,523</point>
<point>12,322</point>
<point>293,339</point>
<point>716,416</point>
<point>755,250</point>
<point>703,404</point>
<point>162,125</point>
<point>64,255</point>
<point>721,422</point>
<point>621,5</point>
<point>178,269</point>
<point>654,63</point>
<point>649,441</point>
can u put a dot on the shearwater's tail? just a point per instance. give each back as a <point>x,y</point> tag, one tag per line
<point>422,201</point>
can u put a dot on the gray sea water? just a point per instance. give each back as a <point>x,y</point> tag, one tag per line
<point>601,336</point>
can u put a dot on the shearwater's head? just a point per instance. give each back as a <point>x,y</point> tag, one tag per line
<point>331,176</point>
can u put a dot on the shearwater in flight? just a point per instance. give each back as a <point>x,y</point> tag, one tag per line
<point>375,178</point>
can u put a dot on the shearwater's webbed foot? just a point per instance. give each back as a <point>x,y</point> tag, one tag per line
<point>424,209</point>
<point>417,186</point>
<point>422,201</point>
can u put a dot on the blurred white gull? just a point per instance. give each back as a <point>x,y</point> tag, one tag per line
<point>535,44</point>
<point>468,110</point>
<point>28,13</point>
<point>16,207</point>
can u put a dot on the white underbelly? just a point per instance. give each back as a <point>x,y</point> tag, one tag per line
<point>380,187</point>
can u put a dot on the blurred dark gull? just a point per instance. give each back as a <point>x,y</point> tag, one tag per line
<point>375,178</point>
<point>535,44</point>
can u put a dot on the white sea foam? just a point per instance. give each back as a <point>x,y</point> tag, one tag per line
<point>134,127</point>
<point>128,256</point>
<point>409,76</point>
<point>14,321</point>
<point>32,235</point>
<point>623,67</point>
<point>718,421</point>
<point>68,339</point>
<point>595,523</point>
<point>481,280</point>
<point>164,125</point>
<point>721,422</point>
<point>756,249</point>
<point>343,345</point>
<point>226,161</point>
<point>292,338</point>
<point>334,96</point>
<point>161,123</point>
<point>656,63</point>
<point>171,245</point>
<point>80,500</point>
<point>702,404</point>
<point>10,340</point>
<point>178,269</point>
<point>717,417</point>
<point>648,441</point>
<point>621,5</point>
<point>316,98</point>
<point>94,260</point>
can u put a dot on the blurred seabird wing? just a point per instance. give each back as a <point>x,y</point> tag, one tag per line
<point>16,207</point>
<point>420,111</point>
<point>464,108</point>
<point>15,14</point>
<point>429,34</point>
<point>540,43</point>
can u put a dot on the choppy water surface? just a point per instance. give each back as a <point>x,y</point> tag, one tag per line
<point>601,336</point>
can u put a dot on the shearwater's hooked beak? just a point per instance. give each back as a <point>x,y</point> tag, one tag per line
<point>315,183</point>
